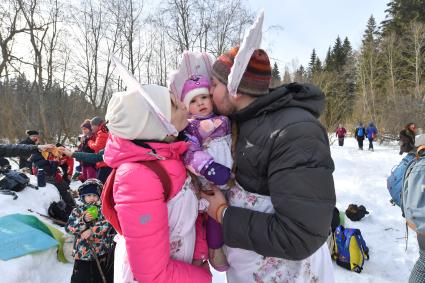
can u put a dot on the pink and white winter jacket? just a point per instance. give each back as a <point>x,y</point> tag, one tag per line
<point>142,212</point>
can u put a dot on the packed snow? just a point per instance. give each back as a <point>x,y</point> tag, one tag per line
<point>360,178</point>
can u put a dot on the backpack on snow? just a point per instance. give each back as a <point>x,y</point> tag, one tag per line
<point>350,250</point>
<point>13,181</point>
<point>59,210</point>
<point>413,196</point>
<point>360,132</point>
<point>396,179</point>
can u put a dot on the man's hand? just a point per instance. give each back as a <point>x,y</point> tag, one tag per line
<point>45,147</point>
<point>217,201</point>
<point>86,234</point>
<point>65,151</point>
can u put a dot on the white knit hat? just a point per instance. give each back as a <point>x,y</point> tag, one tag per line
<point>129,116</point>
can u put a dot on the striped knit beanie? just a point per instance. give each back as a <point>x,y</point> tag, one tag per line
<point>257,76</point>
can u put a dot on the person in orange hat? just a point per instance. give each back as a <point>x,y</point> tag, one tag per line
<point>277,218</point>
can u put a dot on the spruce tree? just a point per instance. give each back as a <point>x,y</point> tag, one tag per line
<point>276,79</point>
<point>275,72</point>
<point>317,65</point>
<point>400,13</point>
<point>286,76</point>
<point>328,60</point>
<point>372,32</point>
<point>338,55</point>
<point>300,74</point>
<point>346,47</point>
<point>312,62</point>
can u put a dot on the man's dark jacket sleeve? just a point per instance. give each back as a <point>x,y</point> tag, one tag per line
<point>12,150</point>
<point>302,192</point>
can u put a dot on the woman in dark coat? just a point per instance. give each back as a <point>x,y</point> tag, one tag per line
<point>407,138</point>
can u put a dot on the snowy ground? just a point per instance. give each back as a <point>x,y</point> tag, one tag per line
<point>360,178</point>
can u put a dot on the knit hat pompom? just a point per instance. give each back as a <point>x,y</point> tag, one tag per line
<point>257,76</point>
<point>86,124</point>
<point>194,86</point>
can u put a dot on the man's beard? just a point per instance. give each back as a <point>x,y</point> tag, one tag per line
<point>228,110</point>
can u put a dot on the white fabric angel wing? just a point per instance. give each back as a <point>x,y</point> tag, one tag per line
<point>251,42</point>
<point>191,63</point>
<point>132,84</point>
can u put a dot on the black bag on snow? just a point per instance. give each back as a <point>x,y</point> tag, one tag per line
<point>59,210</point>
<point>13,181</point>
<point>335,219</point>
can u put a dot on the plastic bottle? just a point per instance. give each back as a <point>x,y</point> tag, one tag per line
<point>41,178</point>
<point>93,211</point>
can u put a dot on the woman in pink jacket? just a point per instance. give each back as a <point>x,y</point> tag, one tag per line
<point>158,227</point>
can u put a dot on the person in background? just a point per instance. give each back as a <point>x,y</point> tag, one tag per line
<point>359,134</point>
<point>66,163</point>
<point>33,138</point>
<point>93,236</point>
<point>209,155</point>
<point>101,134</point>
<point>277,217</point>
<point>87,158</point>
<point>88,170</point>
<point>407,138</point>
<point>340,133</point>
<point>157,223</point>
<point>53,176</point>
<point>412,209</point>
<point>371,132</point>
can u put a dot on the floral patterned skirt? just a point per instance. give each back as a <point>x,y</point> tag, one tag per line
<point>182,214</point>
<point>247,266</point>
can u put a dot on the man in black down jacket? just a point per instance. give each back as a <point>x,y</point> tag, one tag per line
<point>33,138</point>
<point>282,151</point>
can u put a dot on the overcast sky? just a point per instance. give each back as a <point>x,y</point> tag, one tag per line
<point>308,24</point>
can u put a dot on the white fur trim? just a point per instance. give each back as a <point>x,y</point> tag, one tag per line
<point>194,92</point>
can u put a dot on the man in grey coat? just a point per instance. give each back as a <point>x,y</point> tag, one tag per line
<point>282,152</point>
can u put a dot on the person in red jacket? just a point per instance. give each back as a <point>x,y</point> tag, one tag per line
<point>340,133</point>
<point>101,134</point>
<point>66,163</point>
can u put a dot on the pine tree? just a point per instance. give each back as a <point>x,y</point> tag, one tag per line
<point>328,60</point>
<point>300,74</point>
<point>276,79</point>
<point>372,33</point>
<point>346,47</point>
<point>312,60</point>
<point>401,13</point>
<point>368,68</point>
<point>318,65</point>
<point>275,72</point>
<point>338,55</point>
<point>286,76</point>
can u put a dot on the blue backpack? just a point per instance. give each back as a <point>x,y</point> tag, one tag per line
<point>360,132</point>
<point>350,249</point>
<point>396,179</point>
<point>413,195</point>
